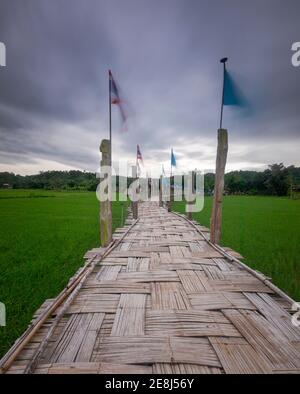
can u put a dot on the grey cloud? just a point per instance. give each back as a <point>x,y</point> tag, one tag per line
<point>165,55</point>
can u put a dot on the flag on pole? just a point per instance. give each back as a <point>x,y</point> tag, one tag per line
<point>115,97</point>
<point>173,159</point>
<point>139,159</point>
<point>232,95</point>
<point>139,156</point>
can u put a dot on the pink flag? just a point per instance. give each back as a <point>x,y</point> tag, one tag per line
<point>115,99</point>
<point>139,155</point>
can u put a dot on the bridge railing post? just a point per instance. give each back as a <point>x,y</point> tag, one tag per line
<point>191,187</point>
<point>171,200</point>
<point>160,186</point>
<point>216,217</point>
<point>105,206</point>
<point>134,204</point>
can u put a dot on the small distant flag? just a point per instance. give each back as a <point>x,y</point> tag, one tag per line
<point>139,159</point>
<point>173,159</point>
<point>139,156</point>
<point>115,97</point>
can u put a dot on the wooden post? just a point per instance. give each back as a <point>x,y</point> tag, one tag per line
<point>105,206</point>
<point>149,187</point>
<point>160,185</point>
<point>134,204</point>
<point>192,186</point>
<point>170,203</point>
<point>216,217</point>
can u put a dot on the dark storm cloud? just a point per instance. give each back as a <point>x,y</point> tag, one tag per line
<point>53,92</point>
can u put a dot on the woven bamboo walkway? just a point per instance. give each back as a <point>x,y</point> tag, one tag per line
<point>162,300</point>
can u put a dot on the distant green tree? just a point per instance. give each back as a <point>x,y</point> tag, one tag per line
<point>209,182</point>
<point>277,179</point>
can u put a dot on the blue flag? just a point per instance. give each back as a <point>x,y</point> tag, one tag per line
<point>173,159</point>
<point>232,94</point>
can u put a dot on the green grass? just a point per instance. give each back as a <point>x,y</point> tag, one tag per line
<point>266,231</point>
<point>43,237</point>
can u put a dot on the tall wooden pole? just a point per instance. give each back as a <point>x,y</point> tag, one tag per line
<point>170,202</point>
<point>216,217</point>
<point>134,204</point>
<point>192,187</point>
<point>110,133</point>
<point>160,186</point>
<point>105,206</point>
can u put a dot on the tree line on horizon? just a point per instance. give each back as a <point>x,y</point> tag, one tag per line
<point>277,180</point>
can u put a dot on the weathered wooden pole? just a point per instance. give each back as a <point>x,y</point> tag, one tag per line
<point>149,187</point>
<point>134,204</point>
<point>160,186</point>
<point>216,217</point>
<point>105,206</point>
<point>170,202</point>
<point>182,189</point>
<point>191,187</point>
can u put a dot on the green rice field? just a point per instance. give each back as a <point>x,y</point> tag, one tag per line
<point>44,235</point>
<point>265,231</point>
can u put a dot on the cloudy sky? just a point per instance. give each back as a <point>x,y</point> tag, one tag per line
<point>165,56</point>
